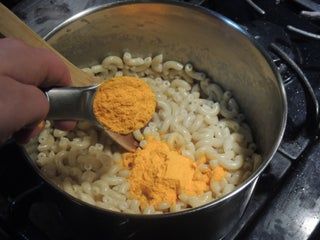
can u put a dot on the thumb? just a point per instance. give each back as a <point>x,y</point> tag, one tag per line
<point>20,105</point>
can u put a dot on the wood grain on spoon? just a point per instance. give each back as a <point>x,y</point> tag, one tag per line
<point>12,26</point>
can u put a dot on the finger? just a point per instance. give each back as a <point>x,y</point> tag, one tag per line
<point>26,134</point>
<point>20,105</point>
<point>65,125</point>
<point>22,136</point>
<point>39,125</point>
<point>34,66</point>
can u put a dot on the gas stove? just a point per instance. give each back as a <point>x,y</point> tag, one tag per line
<point>286,202</point>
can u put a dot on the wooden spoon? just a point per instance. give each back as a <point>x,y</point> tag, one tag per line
<point>12,26</point>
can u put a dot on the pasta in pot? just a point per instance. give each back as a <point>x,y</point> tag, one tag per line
<point>87,164</point>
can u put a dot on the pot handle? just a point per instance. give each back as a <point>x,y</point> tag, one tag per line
<point>22,202</point>
<point>17,213</point>
<point>312,102</point>
<point>24,222</point>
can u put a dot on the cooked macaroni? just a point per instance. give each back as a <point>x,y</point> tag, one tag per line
<point>193,115</point>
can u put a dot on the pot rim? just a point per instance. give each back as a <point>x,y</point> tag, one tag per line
<point>235,27</point>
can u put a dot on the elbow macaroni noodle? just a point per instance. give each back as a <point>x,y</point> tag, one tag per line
<point>87,164</point>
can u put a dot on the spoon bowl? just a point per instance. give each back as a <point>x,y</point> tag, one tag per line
<point>76,103</point>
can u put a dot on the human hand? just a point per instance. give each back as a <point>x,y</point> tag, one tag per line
<point>23,69</point>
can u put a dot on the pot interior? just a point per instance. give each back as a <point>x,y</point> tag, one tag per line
<point>211,43</point>
<point>186,34</point>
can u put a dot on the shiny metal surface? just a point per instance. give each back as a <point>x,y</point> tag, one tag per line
<point>303,32</point>
<point>74,103</point>
<point>219,47</point>
<point>43,15</point>
<point>256,7</point>
<point>213,44</point>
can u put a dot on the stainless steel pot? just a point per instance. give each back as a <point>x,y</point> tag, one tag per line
<point>213,44</point>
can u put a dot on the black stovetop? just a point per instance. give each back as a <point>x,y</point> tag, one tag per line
<point>286,202</point>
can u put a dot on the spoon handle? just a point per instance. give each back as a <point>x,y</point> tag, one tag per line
<point>71,103</point>
<point>12,26</point>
